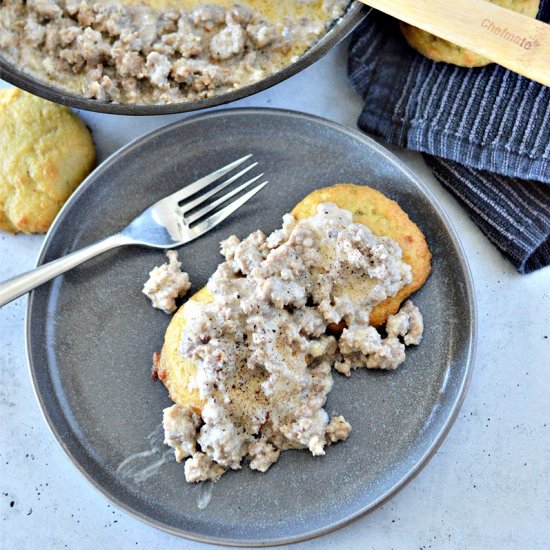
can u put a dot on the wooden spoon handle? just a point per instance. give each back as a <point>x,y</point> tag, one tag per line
<point>515,41</point>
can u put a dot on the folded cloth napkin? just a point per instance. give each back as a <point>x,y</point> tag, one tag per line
<point>485,132</point>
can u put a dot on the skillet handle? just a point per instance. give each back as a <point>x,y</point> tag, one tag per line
<point>21,284</point>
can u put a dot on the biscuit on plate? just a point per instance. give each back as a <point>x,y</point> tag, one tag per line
<point>45,152</point>
<point>176,372</point>
<point>439,49</point>
<point>385,218</point>
<point>381,215</point>
<point>172,368</point>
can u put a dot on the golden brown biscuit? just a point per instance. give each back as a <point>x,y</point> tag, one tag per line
<point>439,49</point>
<point>385,218</point>
<point>174,370</point>
<point>45,152</point>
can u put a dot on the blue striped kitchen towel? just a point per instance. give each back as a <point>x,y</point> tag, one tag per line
<point>485,133</point>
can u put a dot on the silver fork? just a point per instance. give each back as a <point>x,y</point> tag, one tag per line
<point>172,221</point>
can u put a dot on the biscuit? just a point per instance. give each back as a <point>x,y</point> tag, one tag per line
<point>176,372</point>
<point>385,218</point>
<point>45,152</point>
<point>173,369</point>
<point>380,214</point>
<point>439,49</point>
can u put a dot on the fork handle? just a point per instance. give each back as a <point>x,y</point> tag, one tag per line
<point>19,285</point>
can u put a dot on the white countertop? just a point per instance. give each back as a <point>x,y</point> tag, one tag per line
<point>487,487</point>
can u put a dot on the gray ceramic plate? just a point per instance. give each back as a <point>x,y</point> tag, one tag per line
<point>91,335</point>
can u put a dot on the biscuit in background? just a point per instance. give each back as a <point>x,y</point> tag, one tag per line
<point>439,49</point>
<point>45,152</point>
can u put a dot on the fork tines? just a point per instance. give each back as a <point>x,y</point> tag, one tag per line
<point>202,199</point>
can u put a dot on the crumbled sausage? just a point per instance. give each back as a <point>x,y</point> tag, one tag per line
<point>338,429</point>
<point>262,455</point>
<point>208,16</point>
<point>408,324</point>
<point>143,51</point>
<point>166,283</point>
<point>158,69</point>
<point>202,468</point>
<point>228,42</point>
<point>262,34</point>
<point>266,327</point>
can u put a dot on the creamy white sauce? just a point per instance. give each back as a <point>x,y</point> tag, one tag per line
<point>143,465</point>
<point>204,495</point>
<point>262,350</point>
<point>159,51</point>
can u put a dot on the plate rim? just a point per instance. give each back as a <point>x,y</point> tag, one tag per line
<point>437,440</point>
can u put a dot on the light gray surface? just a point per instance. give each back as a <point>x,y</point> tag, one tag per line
<point>489,484</point>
